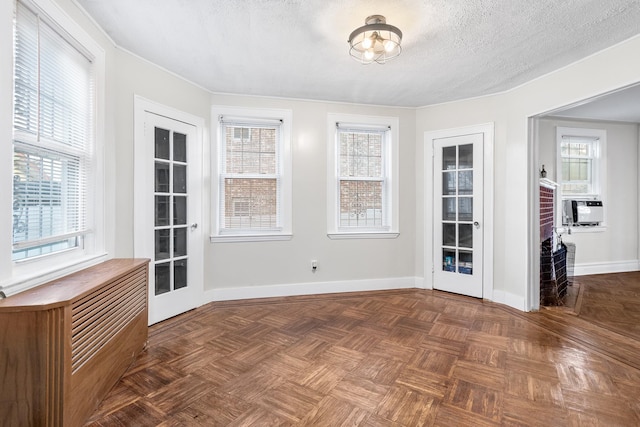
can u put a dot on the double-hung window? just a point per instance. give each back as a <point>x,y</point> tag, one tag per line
<point>54,138</point>
<point>581,163</point>
<point>253,185</point>
<point>363,176</point>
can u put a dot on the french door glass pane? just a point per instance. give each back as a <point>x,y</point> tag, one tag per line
<point>465,235</point>
<point>449,158</point>
<point>179,147</point>
<point>465,182</point>
<point>171,217</point>
<point>179,210</point>
<point>466,262</point>
<point>448,234</point>
<point>465,160</point>
<point>180,274</point>
<point>162,211</point>
<point>163,278</point>
<point>179,242</point>
<point>179,179</point>
<point>449,208</point>
<point>448,183</point>
<point>162,144</point>
<point>465,209</point>
<point>163,243</point>
<point>162,177</point>
<point>449,260</point>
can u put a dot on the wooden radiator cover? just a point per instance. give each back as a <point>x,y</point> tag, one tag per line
<point>65,344</point>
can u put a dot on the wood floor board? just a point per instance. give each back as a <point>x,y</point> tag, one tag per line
<point>399,358</point>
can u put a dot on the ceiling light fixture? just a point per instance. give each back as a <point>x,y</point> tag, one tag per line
<point>376,41</point>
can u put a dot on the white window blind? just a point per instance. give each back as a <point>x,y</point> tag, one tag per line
<point>578,155</point>
<point>53,114</point>
<point>362,178</point>
<point>250,175</point>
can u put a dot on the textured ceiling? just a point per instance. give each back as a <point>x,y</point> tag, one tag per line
<point>452,49</point>
<point>621,106</point>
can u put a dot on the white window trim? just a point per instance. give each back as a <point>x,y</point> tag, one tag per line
<point>287,168</point>
<point>21,275</point>
<point>599,169</point>
<point>392,170</point>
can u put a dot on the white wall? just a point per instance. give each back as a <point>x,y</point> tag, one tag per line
<point>232,265</point>
<point>134,76</point>
<point>249,265</point>
<point>515,171</point>
<point>617,245</point>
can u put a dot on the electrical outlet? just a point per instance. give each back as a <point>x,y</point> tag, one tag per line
<point>314,265</point>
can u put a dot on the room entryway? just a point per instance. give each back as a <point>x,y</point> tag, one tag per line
<point>168,210</point>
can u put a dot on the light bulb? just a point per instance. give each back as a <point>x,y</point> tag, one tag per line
<point>367,42</point>
<point>389,45</point>
<point>368,54</point>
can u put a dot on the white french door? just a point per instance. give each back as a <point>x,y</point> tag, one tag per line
<point>458,214</point>
<point>168,211</point>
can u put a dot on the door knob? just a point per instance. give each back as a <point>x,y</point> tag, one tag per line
<point>476,224</point>
<point>194,225</point>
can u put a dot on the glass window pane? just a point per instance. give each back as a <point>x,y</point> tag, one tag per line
<point>163,278</point>
<point>465,161</point>
<point>465,209</point>
<point>448,260</point>
<point>449,208</point>
<point>179,147</point>
<point>465,233</point>
<point>162,177</point>
<point>162,210</point>
<point>361,154</point>
<point>179,179</point>
<point>448,183</point>
<point>251,150</point>
<point>162,144</point>
<point>449,158</point>
<point>250,203</point>
<point>465,182</point>
<point>180,274</point>
<point>466,262</point>
<point>448,234</point>
<point>361,204</point>
<point>163,243</point>
<point>179,210</point>
<point>179,242</point>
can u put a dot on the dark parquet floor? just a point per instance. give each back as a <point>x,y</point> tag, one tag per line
<point>392,358</point>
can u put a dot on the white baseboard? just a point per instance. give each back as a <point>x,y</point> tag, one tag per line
<point>313,288</point>
<point>509,299</point>
<point>317,288</point>
<point>606,267</point>
<point>421,283</point>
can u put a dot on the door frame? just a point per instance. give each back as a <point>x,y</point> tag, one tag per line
<point>141,179</point>
<point>487,129</point>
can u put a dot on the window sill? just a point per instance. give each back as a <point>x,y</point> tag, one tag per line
<point>577,229</point>
<point>25,279</point>
<point>250,238</point>
<point>363,235</point>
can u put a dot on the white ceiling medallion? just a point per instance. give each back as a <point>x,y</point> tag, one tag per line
<point>375,42</point>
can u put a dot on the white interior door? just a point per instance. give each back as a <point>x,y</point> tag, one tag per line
<point>168,213</point>
<point>458,209</point>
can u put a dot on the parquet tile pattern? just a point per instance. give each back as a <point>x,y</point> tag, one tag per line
<point>393,358</point>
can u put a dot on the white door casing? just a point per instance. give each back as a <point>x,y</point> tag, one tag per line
<point>459,215</point>
<point>168,206</point>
